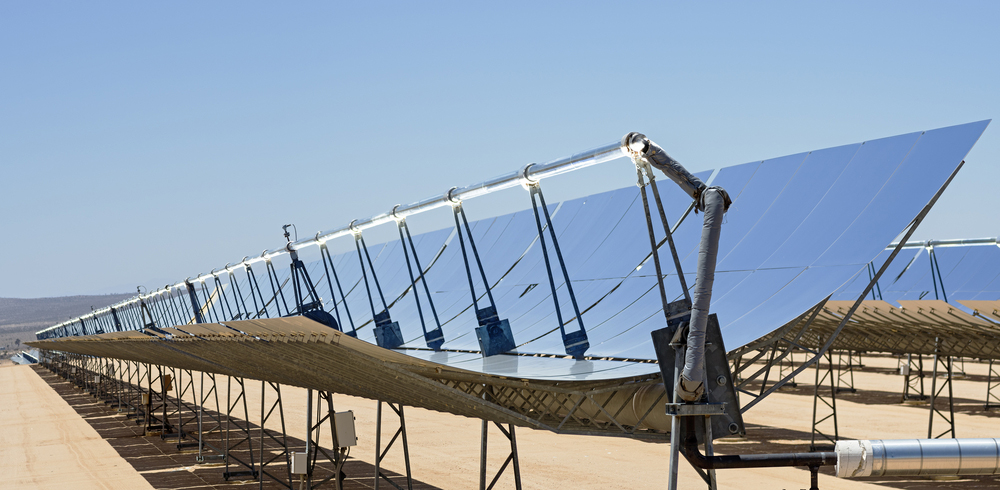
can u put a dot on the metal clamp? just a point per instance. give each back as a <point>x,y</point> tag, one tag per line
<point>526,181</point>
<point>692,410</point>
<point>454,201</point>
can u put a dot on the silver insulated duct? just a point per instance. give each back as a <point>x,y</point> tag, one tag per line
<point>713,202</point>
<point>918,457</point>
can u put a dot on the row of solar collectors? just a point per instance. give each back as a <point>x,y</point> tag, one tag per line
<point>801,226</point>
<point>970,272</point>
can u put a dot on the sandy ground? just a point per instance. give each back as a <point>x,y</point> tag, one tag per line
<point>45,444</point>
<point>444,449</point>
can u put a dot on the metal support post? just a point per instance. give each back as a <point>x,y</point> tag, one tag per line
<point>845,372</point>
<point>119,380</point>
<point>948,418</point>
<point>508,432</point>
<point>958,365</point>
<point>913,378</point>
<point>713,482</point>
<point>992,387</point>
<point>380,453</point>
<point>281,454</point>
<point>186,414</point>
<point>157,401</point>
<point>214,417</point>
<point>141,410</point>
<point>337,455</point>
<point>787,365</point>
<point>233,444</point>
<point>131,386</point>
<point>830,403</point>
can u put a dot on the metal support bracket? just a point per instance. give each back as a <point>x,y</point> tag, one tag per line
<point>387,332</point>
<point>576,342</point>
<point>494,334</point>
<point>433,338</point>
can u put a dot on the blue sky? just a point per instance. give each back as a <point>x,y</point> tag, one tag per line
<point>142,143</point>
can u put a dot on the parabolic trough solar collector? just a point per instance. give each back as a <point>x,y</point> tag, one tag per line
<point>800,228</point>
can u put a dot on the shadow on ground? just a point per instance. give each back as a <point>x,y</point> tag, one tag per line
<point>164,466</point>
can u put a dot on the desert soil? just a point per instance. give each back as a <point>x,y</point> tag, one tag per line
<point>45,438</point>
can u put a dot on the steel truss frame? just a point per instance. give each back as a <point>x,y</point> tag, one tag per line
<point>511,458</point>
<point>592,409</point>
<point>992,387</point>
<point>380,454</point>
<point>242,429</point>
<point>828,401</point>
<point>157,401</point>
<point>845,375</point>
<point>214,417</point>
<point>913,379</point>
<point>284,455</point>
<point>184,412</point>
<point>949,417</point>
<point>337,456</point>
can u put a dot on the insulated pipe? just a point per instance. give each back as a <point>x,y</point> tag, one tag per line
<point>640,145</point>
<point>690,450</point>
<point>713,202</point>
<point>918,457</point>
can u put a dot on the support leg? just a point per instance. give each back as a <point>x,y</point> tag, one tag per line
<point>992,387</point>
<point>949,419</point>
<point>380,453</point>
<point>828,402</point>
<point>511,458</point>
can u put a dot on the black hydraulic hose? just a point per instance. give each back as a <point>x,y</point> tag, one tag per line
<point>689,448</point>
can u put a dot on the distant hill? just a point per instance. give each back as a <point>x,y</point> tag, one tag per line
<point>23,314</point>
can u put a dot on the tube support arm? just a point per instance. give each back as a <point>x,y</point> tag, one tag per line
<point>713,202</point>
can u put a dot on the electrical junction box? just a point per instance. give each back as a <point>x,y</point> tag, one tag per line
<point>300,462</point>
<point>145,398</point>
<point>346,435</point>
<point>97,380</point>
<point>904,370</point>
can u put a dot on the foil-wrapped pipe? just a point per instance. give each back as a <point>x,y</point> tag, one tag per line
<point>918,457</point>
